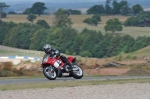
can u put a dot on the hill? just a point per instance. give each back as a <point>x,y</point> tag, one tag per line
<point>133,63</point>
<point>136,56</point>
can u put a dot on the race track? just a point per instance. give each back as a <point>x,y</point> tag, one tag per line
<point>38,80</point>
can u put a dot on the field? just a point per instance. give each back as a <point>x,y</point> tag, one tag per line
<point>79,25</point>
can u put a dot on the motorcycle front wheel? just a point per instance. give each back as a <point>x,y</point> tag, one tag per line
<point>49,72</point>
<point>77,72</point>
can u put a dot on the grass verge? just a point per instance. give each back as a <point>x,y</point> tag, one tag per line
<point>69,84</point>
<point>22,77</point>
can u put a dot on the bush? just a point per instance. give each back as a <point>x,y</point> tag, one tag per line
<point>93,21</point>
<point>85,54</point>
<point>132,21</point>
<point>141,20</point>
<point>67,52</point>
<point>131,57</point>
<point>97,16</point>
<point>120,58</point>
<point>7,66</point>
<point>5,69</point>
<point>74,53</point>
<point>12,12</point>
<point>134,57</point>
<point>113,25</point>
<point>43,23</point>
<point>4,15</point>
<point>128,57</point>
<point>74,12</point>
<point>4,73</point>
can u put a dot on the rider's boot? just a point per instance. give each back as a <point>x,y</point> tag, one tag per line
<point>64,59</point>
<point>70,65</point>
<point>67,67</point>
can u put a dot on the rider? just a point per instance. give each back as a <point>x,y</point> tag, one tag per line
<point>55,53</point>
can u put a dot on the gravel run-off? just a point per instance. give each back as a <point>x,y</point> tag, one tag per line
<point>112,91</point>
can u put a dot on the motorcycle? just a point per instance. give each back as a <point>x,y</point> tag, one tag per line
<point>51,73</point>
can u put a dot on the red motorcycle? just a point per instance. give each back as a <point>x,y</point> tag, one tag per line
<point>50,72</point>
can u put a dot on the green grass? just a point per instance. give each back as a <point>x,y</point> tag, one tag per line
<point>16,53</point>
<point>22,77</point>
<point>69,84</point>
<point>142,53</point>
<point>9,51</point>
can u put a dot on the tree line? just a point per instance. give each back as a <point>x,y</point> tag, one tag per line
<point>115,8</point>
<point>87,43</point>
<point>141,20</point>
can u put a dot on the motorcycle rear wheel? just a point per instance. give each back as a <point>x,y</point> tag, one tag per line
<point>77,72</point>
<point>49,72</point>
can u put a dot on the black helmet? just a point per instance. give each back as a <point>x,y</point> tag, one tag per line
<point>47,48</point>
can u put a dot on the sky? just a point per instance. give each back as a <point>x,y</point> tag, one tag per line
<point>51,0</point>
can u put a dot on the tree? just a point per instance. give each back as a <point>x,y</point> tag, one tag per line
<point>97,16</point>
<point>113,25</point>
<point>3,15</point>
<point>2,6</point>
<point>141,20</point>
<point>4,28</point>
<point>97,9</point>
<point>19,35</point>
<point>43,23</point>
<point>137,9</point>
<point>93,21</point>
<point>88,21</point>
<point>116,7</point>
<point>90,39</point>
<point>125,10</point>
<point>62,19</point>
<point>74,12</point>
<point>114,45</point>
<point>75,46</point>
<point>108,9</point>
<point>27,11</point>
<point>38,39</point>
<point>131,21</point>
<point>121,8</point>
<point>85,54</point>
<point>31,17</point>
<point>12,12</point>
<point>38,8</point>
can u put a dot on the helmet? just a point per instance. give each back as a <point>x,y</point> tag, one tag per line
<point>47,48</point>
<point>57,53</point>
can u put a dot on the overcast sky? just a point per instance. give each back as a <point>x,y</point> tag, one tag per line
<point>51,0</point>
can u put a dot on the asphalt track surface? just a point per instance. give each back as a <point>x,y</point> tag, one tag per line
<point>40,80</point>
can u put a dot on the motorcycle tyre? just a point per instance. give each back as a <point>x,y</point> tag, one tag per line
<point>74,75</point>
<point>48,77</point>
